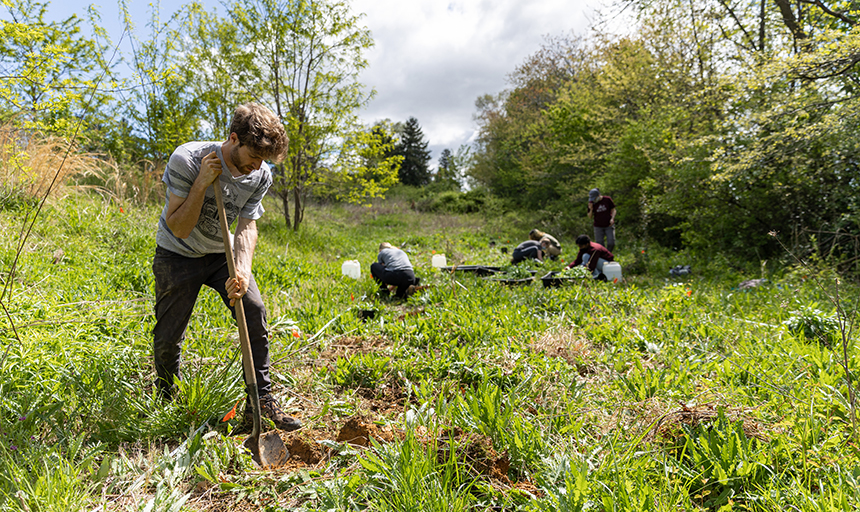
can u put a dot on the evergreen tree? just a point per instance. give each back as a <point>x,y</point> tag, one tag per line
<point>414,170</point>
<point>445,171</point>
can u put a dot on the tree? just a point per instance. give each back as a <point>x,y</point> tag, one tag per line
<point>162,107</point>
<point>46,67</point>
<point>413,148</point>
<point>308,55</point>
<point>443,169</point>
<point>365,168</point>
<point>514,157</point>
<point>220,60</point>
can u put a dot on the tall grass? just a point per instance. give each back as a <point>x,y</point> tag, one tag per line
<point>30,164</point>
<point>658,393</point>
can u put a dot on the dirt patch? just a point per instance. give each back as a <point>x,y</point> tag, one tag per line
<point>358,430</point>
<point>670,424</point>
<point>353,345</point>
<point>304,448</point>
<point>477,452</point>
<point>387,399</point>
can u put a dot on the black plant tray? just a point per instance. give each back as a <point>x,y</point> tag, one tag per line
<point>479,270</point>
<point>553,279</point>
<point>513,282</point>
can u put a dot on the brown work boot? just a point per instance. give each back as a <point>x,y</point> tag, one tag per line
<point>409,291</point>
<point>269,408</point>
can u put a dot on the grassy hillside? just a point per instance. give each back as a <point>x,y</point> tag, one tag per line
<point>655,393</point>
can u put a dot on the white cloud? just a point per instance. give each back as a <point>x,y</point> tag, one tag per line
<point>434,58</point>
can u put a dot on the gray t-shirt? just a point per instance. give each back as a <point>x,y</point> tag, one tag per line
<point>394,259</point>
<point>243,197</point>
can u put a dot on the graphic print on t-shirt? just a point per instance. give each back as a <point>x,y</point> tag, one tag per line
<point>209,223</point>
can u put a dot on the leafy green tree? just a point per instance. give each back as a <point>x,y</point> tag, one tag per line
<point>383,135</point>
<point>513,156</point>
<point>47,67</point>
<point>366,167</point>
<point>220,59</point>
<point>452,166</point>
<point>308,55</point>
<point>162,108</point>
<point>413,148</point>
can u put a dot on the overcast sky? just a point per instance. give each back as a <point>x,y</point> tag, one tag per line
<point>432,58</point>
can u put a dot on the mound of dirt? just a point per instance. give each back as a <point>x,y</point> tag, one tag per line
<point>304,449</point>
<point>358,431</point>
<point>355,431</point>
<point>478,452</point>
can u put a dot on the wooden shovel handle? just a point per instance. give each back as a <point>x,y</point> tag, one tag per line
<point>244,341</point>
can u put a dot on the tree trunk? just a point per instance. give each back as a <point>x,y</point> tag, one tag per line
<point>285,200</point>
<point>298,208</point>
<point>789,19</point>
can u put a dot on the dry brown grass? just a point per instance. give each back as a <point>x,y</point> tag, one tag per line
<point>569,344</point>
<point>30,163</point>
<point>139,184</point>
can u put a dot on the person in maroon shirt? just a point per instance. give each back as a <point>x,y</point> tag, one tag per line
<point>602,210</point>
<point>592,255</point>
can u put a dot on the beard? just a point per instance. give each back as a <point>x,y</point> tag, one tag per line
<point>236,162</point>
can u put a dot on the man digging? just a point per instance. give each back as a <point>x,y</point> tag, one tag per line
<point>190,248</point>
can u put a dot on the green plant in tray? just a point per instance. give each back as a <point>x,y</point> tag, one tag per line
<point>575,272</point>
<point>516,272</point>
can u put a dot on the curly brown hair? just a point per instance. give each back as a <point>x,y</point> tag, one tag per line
<point>259,128</point>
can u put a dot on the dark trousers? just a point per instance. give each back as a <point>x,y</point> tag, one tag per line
<point>399,278</point>
<point>524,254</point>
<point>177,283</point>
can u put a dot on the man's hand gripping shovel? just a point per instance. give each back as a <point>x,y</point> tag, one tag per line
<point>266,449</point>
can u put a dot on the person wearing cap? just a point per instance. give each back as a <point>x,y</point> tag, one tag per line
<point>393,268</point>
<point>549,245</point>
<point>601,209</point>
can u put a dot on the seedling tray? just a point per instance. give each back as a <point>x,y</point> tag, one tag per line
<point>513,282</point>
<point>479,270</point>
<point>553,279</point>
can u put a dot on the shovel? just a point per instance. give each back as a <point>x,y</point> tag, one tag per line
<point>267,449</point>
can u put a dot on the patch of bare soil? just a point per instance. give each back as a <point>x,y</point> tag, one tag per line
<point>387,399</point>
<point>668,426</point>
<point>359,430</point>
<point>304,448</point>
<point>477,451</point>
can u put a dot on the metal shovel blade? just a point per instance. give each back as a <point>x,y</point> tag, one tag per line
<point>267,450</point>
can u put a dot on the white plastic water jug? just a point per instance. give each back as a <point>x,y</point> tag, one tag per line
<point>351,268</point>
<point>439,261</point>
<point>612,270</point>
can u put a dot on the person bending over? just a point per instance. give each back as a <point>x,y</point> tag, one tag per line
<point>592,256</point>
<point>549,244</point>
<point>393,268</point>
<point>190,248</point>
<point>530,249</point>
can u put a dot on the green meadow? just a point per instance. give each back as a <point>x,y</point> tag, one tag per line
<point>653,393</point>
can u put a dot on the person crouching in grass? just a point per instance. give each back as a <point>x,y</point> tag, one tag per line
<point>593,256</point>
<point>393,268</point>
